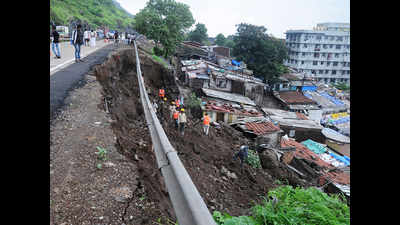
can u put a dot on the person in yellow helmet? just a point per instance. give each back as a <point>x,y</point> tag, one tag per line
<point>172,109</point>
<point>182,121</point>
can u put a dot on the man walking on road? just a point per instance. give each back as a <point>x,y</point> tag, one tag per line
<point>55,43</point>
<point>86,37</point>
<point>77,41</point>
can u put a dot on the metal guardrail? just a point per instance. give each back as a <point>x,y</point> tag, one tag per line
<point>188,205</point>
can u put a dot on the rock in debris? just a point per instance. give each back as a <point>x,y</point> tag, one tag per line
<point>122,194</point>
<point>226,172</point>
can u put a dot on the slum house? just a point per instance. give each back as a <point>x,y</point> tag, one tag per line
<point>201,73</point>
<point>261,129</point>
<point>227,107</point>
<point>296,124</point>
<point>295,101</point>
<point>336,141</point>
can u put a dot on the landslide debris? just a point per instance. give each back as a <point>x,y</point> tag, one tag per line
<point>223,185</point>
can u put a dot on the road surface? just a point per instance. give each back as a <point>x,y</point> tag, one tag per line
<point>69,75</point>
<point>67,52</point>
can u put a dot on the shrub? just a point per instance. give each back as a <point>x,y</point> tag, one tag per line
<point>288,205</point>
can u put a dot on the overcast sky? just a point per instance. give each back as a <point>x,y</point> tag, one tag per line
<point>278,16</point>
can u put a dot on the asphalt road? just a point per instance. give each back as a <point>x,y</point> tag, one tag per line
<point>67,52</point>
<point>71,76</point>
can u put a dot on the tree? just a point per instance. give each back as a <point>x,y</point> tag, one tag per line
<point>199,34</point>
<point>220,40</point>
<point>164,21</point>
<point>262,53</point>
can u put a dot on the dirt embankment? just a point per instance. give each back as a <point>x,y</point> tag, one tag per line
<point>208,159</point>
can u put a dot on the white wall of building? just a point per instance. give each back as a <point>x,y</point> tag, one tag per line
<point>323,54</point>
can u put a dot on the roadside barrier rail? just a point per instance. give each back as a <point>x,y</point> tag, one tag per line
<point>188,205</point>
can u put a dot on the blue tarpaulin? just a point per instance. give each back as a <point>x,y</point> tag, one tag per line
<point>236,63</point>
<point>309,88</point>
<point>340,158</point>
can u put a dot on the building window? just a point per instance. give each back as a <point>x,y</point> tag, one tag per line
<point>336,55</point>
<point>330,46</point>
<point>335,63</point>
<point>317,46</point>
<point>332,80</point>
<point>303,54</point>
<point>318,38</point>
<point>316,55</point>
<point>346,38</point>
<point>305,45</point>
<point>313,71</point>
<point>337,46</point>
<point>323,54</point>
<point>348,71</point>
<point>328,63</point>
<point>339,38</point>
<point>315,63</point>
<point>325,46</point>
<point>302,62</point>
<point>326,37</point>
<point>333,71</point>
<point>332,37</point>
<point>321,71</point>
<point>326,71</point>
<point>343,72</point>
<point>322,62</point>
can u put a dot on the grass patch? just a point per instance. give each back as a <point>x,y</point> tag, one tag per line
<point>295,206</point>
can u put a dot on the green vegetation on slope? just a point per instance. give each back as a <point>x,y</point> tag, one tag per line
<point>95,12</point>
<point>295,206</point>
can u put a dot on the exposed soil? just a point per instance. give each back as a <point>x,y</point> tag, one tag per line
<point>208,159</point>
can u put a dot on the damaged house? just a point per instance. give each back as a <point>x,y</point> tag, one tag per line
<point>296,124</point>
<point>227,107</point>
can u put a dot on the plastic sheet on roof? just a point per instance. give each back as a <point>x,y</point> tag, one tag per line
<point>316,147</point>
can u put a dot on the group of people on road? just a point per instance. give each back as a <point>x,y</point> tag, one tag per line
<point>90,38</point>
<point>86,38</point>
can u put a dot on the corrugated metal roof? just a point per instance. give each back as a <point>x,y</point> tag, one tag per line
<point>334,135</point>
<point>228,96</point>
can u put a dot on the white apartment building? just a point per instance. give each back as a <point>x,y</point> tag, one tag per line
<point>322,53</point>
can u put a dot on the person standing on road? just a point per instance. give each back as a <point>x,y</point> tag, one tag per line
<point>242,154</point>
<point>92,38</point>
<point>206,123</point>
<point>55,42</point>
<point>86,37</point>
<point>182,121</point>
<point>116,37</point>
<point>77,41</point>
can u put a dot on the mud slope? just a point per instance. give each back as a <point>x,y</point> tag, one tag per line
<point>208,159</point>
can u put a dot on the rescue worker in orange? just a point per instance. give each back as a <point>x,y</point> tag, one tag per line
<point>161,93</point>
<point>175,117</point>
<point>177,103</point>
<point>206,123</point>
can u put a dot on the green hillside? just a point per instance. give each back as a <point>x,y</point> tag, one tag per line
<point>95,12</point>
